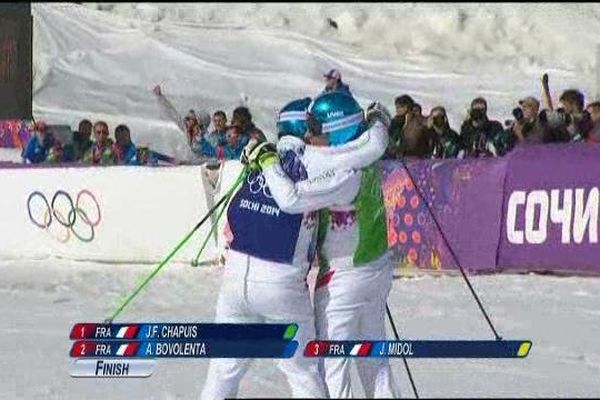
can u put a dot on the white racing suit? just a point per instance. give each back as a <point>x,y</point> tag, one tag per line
<point>355,274</point>
<point>267,261</point>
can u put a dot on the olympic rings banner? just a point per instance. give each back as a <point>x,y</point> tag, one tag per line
<point>74,212</point>
<point>112,214</point>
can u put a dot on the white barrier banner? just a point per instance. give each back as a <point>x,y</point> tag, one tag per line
<point>112,214</point>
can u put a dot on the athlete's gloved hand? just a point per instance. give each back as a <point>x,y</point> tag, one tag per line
<point>258,155</point>
<point>290,148</point>
<point>289,142</point>
<point>377,112</point>
<point>292,165</point>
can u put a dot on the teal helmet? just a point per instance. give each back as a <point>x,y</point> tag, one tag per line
<point>291,119</point>
<point>337,115</point>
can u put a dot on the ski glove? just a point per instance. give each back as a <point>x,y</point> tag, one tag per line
<point>259,155</point>
<point>377,112</point>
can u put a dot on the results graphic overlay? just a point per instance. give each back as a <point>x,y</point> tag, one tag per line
<point>130,350</point>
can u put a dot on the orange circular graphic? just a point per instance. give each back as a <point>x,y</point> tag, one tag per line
<point>401,201</point>
<point>402,237</point>
<point>416,237</point>
<point>408,219</point>
<point>408,183</point>
<point>414,201</point>
<point>412,255</point>
<point>392,236</point>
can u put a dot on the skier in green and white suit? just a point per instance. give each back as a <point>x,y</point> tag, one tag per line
<point>356,271</point>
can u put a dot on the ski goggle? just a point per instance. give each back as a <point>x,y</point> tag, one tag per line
<point>317,128</point>
<point>291,123</point>
<point>314,126</point>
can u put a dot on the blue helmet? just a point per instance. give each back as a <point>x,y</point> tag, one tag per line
<point>291,119</point>
<point>337,115</point>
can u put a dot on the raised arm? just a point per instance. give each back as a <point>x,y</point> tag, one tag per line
<point>546,98</point>
<point>168,108</point>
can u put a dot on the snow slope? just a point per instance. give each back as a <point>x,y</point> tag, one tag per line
<point>42,300</point>
<point>102,64</point>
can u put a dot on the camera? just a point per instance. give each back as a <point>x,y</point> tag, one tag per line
<point>555,119</point>
<point>518,114</point>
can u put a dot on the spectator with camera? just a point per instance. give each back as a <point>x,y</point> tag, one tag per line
<point>444,142</point>
<point>481,136</point>
<point>570,119</point>
<point>527,128</point>
<point>579,123</point>
<point>407,131</point>
<point>593,109</point>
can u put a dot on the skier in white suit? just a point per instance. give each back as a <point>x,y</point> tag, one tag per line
<point>269,253</point>
<point>355,274</point>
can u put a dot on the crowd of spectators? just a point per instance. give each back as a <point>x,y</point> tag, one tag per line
<point>45,147</point>
<point>225,141</point>
<point>412,133</point>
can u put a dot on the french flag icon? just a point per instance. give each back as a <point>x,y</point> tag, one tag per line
<point>127,349</point>
<point>127,332</point>
<point>361,349</point>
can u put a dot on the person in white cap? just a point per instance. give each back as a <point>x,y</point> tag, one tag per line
<point>333,82</point>
<point>526,128</point>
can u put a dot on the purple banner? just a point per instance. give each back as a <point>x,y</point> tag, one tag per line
<point>550,218</point>
<point>14,134</point>
<point>466,198</point>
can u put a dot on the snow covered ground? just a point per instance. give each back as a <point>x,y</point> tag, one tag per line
<point>42,300</point>
<point>103,64</point>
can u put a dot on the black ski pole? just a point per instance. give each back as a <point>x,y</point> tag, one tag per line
<point>452,253</point>
<point>410,377</point>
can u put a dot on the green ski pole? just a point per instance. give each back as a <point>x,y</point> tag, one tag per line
<point>216,223</point>
<point>183,241</point>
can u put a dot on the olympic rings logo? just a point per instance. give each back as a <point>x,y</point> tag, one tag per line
<point>74,213</point>
<point>257,182</point>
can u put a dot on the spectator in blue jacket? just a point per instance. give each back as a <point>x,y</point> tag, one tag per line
<point>217,135</point>
<point>235,142</point>
<point>333,82</point>
<point>124,149</point>
<point>39,145</point>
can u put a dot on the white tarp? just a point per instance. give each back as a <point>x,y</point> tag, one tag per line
<point>103,64</point>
